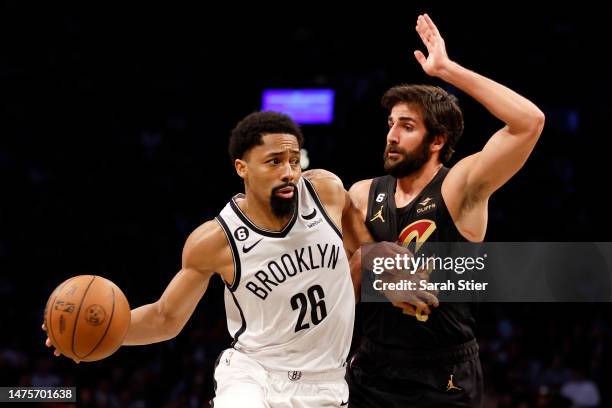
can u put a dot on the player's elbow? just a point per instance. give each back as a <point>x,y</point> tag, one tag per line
<point>536,123</point>
<point>529,127</point>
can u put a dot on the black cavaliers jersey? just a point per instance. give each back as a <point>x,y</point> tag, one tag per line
<point>424,219</point>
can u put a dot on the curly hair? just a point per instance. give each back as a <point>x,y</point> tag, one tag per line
<point>440,110</point>
<point>249,131</point>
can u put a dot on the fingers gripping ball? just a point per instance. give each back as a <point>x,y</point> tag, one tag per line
<point>87,318</point>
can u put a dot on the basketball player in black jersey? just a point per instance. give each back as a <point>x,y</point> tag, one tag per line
<point>403,362</point>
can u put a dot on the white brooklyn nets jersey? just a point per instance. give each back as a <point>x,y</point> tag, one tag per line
<point>291,305</point>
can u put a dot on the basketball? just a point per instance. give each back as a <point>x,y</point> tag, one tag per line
<point>87,318</point>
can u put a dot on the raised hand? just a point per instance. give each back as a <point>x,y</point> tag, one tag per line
<point>437,59</point>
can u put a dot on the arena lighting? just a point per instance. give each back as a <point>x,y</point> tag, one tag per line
<point>305,106</point>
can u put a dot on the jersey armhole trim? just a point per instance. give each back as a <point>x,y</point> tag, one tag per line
<point>317,200</point>
<point>244,324</point>
<point>235,256</point>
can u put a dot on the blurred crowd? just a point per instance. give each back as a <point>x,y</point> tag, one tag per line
<point>533,355</point>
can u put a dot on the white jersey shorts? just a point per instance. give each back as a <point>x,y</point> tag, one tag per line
<point>242,382</point>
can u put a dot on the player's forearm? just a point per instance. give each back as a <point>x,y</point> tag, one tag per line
<point>147,326</point>
<point>164,319</point>
<point>518,113</point>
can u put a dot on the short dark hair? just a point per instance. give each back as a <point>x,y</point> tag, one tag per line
<point>440,110</point>
<point>249,131</point>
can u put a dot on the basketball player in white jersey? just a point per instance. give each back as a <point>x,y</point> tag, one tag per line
<point>289,297</point>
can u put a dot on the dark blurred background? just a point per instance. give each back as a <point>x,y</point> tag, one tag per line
<point>113,134</point>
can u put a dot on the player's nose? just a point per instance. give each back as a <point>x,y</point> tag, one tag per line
<point>288,173</point>
<point>393,135</point>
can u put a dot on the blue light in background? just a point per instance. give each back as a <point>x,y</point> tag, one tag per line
<point>305,106</point>
<point>573,120</point>
<point>566,119</point>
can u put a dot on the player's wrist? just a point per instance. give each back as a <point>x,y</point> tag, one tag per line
<point>447,70</point>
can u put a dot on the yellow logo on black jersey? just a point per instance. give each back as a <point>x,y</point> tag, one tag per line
<point>378,215</point>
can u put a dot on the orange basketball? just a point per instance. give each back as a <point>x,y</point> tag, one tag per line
<point>87,318</point>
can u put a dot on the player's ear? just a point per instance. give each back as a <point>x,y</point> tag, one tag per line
<point>241,167</point>
<point>438,143</point>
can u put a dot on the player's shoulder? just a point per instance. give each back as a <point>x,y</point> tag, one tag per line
<point>329,188</point>
<point>361,187</point>
<point>205,244</point>
<point>207,235</point>
<point>323,178</point>
<point>327,185</point>
<point>359,192</point>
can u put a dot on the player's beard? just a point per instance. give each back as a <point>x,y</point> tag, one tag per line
<point>282,207</point>
<point>409,163</point>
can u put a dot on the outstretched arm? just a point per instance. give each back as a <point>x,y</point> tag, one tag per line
<point>507,150</point>
<point>205,251</point>
<point>164,319</point>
